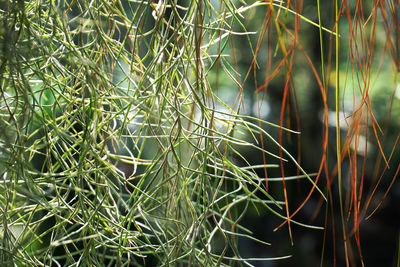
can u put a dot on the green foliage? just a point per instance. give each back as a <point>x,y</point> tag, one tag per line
<point>115,150</point>
<point>126,138</point>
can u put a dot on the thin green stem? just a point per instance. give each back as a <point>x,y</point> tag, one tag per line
<point>338,146</point>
